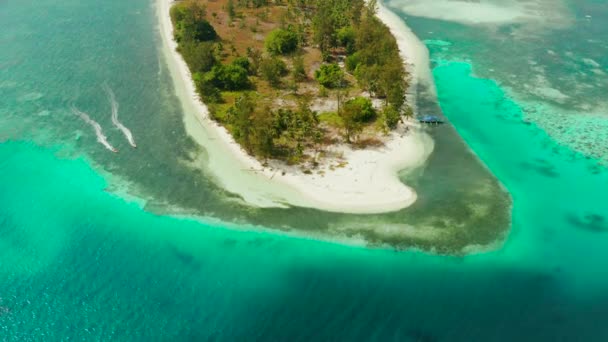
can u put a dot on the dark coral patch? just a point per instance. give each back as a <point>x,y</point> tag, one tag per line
<point>591,222</point>
<point>542,167</point>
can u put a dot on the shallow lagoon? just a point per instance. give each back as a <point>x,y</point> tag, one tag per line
<point>461,203</point>
<point>82,262</point>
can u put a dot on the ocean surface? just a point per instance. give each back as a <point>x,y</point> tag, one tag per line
<point>96,245</point>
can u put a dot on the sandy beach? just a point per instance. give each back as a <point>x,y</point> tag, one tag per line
<point>366,183</point>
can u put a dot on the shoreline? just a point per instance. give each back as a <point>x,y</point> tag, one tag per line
<point>369,182</point>
<point>415,54</point>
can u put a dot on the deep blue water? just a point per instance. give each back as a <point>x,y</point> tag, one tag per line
<point>78,261</point>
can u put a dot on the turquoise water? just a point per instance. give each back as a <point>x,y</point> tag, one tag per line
<point>78,261</point>
<point>63,55</point>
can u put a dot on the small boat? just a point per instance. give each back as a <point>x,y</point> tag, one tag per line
<point>430,119</point>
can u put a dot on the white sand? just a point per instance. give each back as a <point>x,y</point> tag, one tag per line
<point>538,14</point>
<point>369,182</point>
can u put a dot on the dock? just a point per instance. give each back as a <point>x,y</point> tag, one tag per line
<point>430,119</point>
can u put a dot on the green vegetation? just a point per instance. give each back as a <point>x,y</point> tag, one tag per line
<point>244,63</point>
<point>190,24</point>
<point>391,117</point>
<point>362,109</point>
<point>354,114</point>
<point>331,118</point>
<point>372,52</point>
<point>244,80</point>
<point>267,133</point>
<point>330,76</point>
<point>272,69</point>
<point>347,38</point>
<point>205,87</point>
<point>280,42</point>
<point>231,10</point>
<point>200,56</point>
<point>299,69</point>
<point>229,77</point>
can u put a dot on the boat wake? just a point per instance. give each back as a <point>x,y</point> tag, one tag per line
<point>101,138</point>
<point>125,131</point>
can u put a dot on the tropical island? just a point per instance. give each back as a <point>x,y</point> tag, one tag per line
<point>287,78</point>
<point>312,91</point>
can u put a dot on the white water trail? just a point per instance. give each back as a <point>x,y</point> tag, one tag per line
<point>125,131</point>
<point>101,138</point>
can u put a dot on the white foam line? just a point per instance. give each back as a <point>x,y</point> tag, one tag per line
<point>101,138</point>
<point>125,131</point>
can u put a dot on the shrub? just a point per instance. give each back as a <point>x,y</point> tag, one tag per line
<point>203,31</point>
<point>367,77</point>
<point>200,57</point>
<point>352,62</point>
<point>239,117</point>
<point>228,77</point>
<point>189,24</point>
<point>206,89</point>
<point>244,63</point>
<point>408,112</point>
<point>330,76</point>
<point>346,38</point>
<point>323,91</point>
<point>272,69</point>
<point>230,9</point>
<point>255,57</point>
<point>362,109</point>
<point>280,42</point>
<point>350,122</point>
<point>299,70</point>
<point>391,117</point>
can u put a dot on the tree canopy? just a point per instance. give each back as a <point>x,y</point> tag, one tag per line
<point>361,108</point>
<point>244,80</point>
<point>229,77</point>
<point>200,57</point>
<point>281,41</point>
<point>272,69</point>
<point>190,24</point>
<point>330,76</point>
